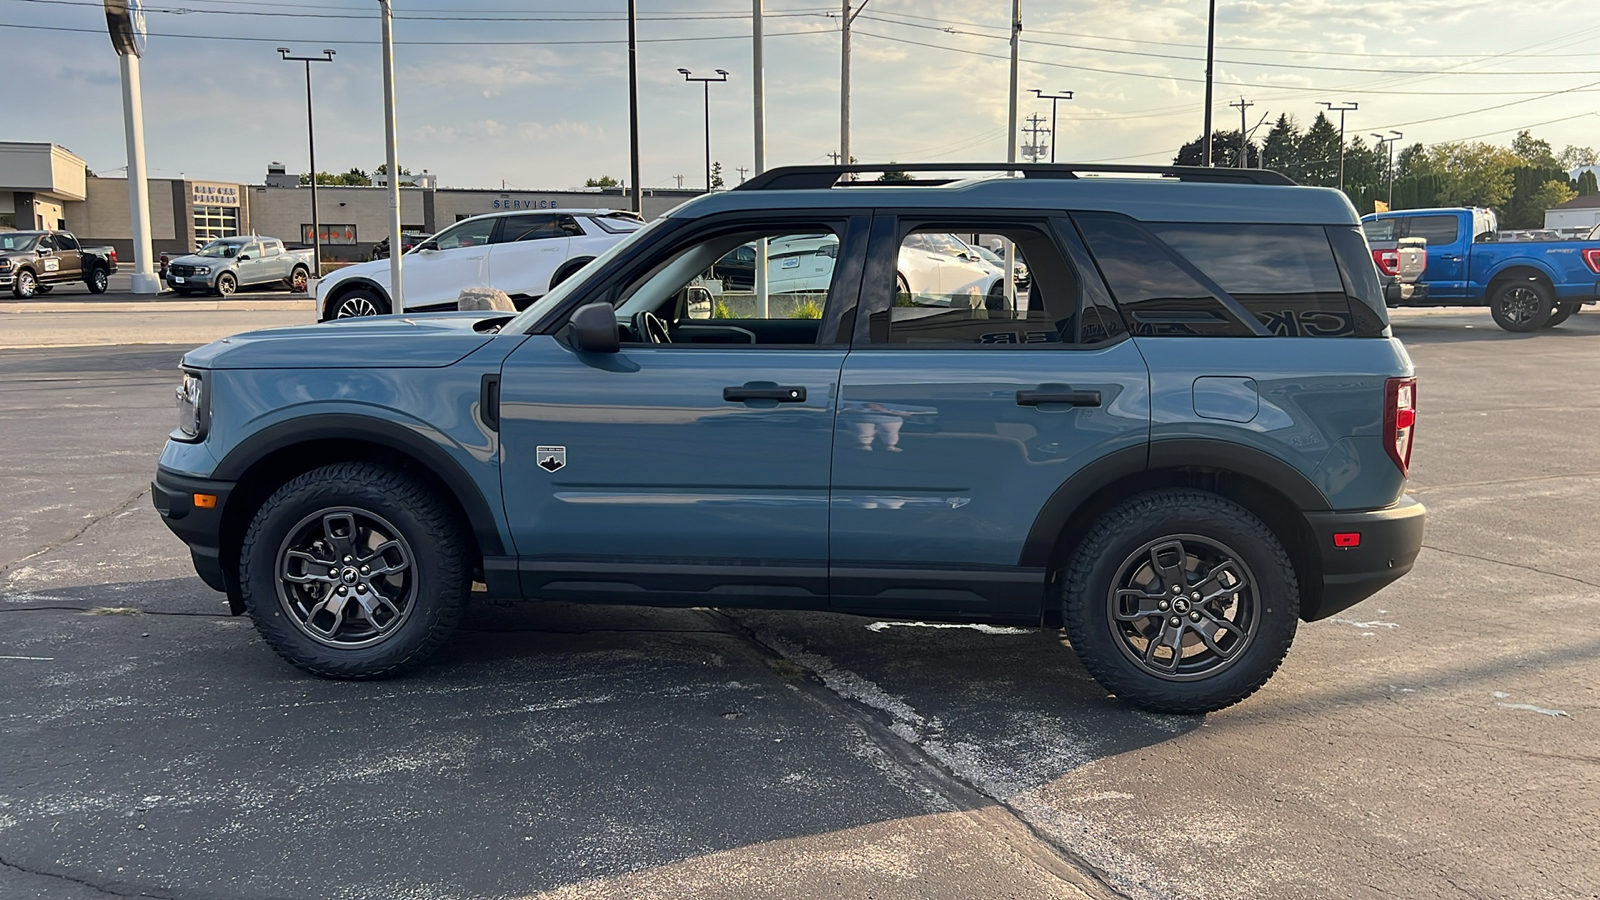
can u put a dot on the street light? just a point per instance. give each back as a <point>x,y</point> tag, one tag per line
<point>706,80</point>
<point>1394,136</point>
<point>311,140</point>
<point>1341,108</point>
<point>1052,98</point>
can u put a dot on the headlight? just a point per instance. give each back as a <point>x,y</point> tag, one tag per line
<point>202,270</point>
<point>191,407</point>
<point>5,263</point>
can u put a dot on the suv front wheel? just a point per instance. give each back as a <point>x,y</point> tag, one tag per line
<point>1180,601</point>
<point>355,570</point>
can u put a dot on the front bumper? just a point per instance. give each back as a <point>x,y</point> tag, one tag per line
<point>188,281</point>
<point>199,527</point>
<point>1390,540</point>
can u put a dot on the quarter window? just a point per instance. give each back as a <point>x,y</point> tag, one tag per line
<point>1161,292</point>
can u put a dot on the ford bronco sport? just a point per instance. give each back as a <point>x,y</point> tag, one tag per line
<point>1189,433</point>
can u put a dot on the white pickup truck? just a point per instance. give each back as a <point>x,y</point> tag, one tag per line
<point>228,264</point>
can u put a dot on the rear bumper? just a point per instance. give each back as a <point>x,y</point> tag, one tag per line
<point>1396,293</point>
<point>199,527</point>
<point>1390,540</point>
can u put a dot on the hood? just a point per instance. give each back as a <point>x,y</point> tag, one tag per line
<point>407,341</point>
<point>190,259</point>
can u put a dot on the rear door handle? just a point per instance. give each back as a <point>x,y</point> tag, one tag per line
<point>780,393</point>
<point>1068,397</point>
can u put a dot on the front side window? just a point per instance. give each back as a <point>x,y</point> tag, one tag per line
<point>946,294</point>
<point>471,233</point>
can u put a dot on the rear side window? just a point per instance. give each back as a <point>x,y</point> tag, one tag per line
<point>1285,275</point>
<point>1436,229</point>
<point>1160,292</point>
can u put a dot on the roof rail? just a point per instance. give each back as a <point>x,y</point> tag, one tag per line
<point>810,178</point>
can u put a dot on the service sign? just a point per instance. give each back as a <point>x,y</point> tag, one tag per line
<point>208,193</point>
<point>529,203</point>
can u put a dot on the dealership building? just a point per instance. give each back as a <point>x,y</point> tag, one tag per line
<point>47,186</point>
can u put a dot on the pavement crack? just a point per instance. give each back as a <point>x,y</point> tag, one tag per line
<point>137,612</point>
<point>79,533</point>
<point>1055,858</point>
<point>1490,559</point>
<point>109,891</point>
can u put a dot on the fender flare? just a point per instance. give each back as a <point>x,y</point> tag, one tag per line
<point>1172,453</point>
<point>371,430</point>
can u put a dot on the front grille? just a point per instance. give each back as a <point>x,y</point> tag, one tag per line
<point>181,270</point>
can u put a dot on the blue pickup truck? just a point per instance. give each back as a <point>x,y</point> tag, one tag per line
<point>1527,285</point>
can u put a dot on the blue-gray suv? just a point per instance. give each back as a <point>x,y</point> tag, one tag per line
<point>1189,431</point>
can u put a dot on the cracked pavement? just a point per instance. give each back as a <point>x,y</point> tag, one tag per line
<point>151,746</point>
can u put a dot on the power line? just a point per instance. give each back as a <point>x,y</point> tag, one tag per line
<point>471,43</point>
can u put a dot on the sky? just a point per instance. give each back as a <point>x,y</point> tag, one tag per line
<point>534,95</point>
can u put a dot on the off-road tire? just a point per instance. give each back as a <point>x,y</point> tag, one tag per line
<point>98,280</point>
<point>227,285</point>
<point>1088,592</point>
<point>25,286</point>
<point>1521,305</point>
<point>438,558</point>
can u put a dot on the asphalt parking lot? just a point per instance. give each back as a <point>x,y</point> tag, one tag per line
<point>1438,740</point>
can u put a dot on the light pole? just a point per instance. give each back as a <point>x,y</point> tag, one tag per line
<point>633,106</point>
<point>1211,46</point>
<point>1066,95</point>
<point>706,80</point>
<point>126,25</point>
<point>311,141</point>
<point>1393,136</point>
<point>1341,108</point>
<point>391,158</point>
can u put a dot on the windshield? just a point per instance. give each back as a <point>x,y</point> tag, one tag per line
<point>525,319</point>
<point>17,241</point>
<point>219,250</point>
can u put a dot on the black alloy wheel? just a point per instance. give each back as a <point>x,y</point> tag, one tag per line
<point>98,281</point>
<point>1521,306</point>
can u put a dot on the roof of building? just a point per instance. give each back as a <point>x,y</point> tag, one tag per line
<point>1590,202</point>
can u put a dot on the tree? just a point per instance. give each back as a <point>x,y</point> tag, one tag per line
<point>894,174</point>
<point>1406,163</point>
<point>716,177</point>
<point>1577,157</point>
<point>1363,167</point>
<point>1588,185</point>
<point>1319,153</point>
<point>1224,151</point>
<point>1532,151</point>
<point>1470,174</point>
<point>604,181</point>
<point>383,169</point>
<point>1551,194</point>
<point>356,178</point>
<point>1280,150</point>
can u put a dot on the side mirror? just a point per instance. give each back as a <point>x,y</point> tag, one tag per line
<point>45,251</point>
<point>243,257</point>
<point>594,329</point>
<point>427,247</point>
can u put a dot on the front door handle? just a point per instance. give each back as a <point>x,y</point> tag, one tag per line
<point>1058,395</point>
<point>780,393</point>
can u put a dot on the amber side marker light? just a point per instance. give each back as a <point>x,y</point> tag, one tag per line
<point>205,501</point>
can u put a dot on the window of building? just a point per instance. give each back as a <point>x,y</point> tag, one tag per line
<point>331,234</point>
<point>213,222</point>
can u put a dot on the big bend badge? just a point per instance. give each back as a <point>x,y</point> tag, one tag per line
<point>551,459</point>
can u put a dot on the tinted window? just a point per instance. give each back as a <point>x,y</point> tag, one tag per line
<point>1157,291</point>
<point>1436,229</point>
<point>946,294</point>
<point>473,233</point>
<point>1379,230</point>
<point>1285,275</point>
<point>536,228</point>
<point>66,242</point>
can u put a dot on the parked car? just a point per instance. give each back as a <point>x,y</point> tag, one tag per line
<point>931,268</point>
<point>994,258</point>
<point>34,262</point>
<point>1196,436</point>
<point>522,253</point>
<point>227,264</point>
<point>408,240</point>
<point>1527,285</point>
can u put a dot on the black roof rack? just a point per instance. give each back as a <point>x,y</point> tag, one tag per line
<point>810,178</point>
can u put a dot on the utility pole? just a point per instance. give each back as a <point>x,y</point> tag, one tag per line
<point>707,80</point>
<point>633,106</point>
<point>741,170</point>
<point>680,181</point>
<point>834,157</point>
<point>1393,136</point>
<point>1011,143</point>
<point>1032,151</point>
<point>846,18</point>
<point>311,140</point>
<point>1064,95</point>
<point>1211,58</point>
<point>1244,143</point>
<point>1341,108</point>
<point>758,66</point>
<point>391,153</point>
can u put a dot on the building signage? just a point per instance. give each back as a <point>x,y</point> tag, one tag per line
<point>210,193</point>
<point>522,203</point>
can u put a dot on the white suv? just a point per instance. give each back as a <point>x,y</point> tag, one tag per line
<point>524,254</point>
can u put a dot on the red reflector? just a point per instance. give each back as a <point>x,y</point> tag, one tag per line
<point>1347,539</point>
<point>1405,418</point>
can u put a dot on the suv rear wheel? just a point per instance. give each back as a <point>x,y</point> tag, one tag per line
<point>354,570</point>
<point>1180,601</point>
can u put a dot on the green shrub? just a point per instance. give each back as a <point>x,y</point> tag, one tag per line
<point>720,310</point>
<point>807,310</point>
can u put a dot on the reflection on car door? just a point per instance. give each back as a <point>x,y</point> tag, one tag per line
<point>250,271</point>
<point>956,425</point>
<point>527,251</point>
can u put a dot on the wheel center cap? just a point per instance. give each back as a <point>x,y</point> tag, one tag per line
<point>349,575</point>
<point>1180,605</point>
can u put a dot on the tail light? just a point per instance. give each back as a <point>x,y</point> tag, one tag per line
<point>1400,420</point>
<point>1592,257</point>
<point>1388,261</point>
<point>113,255</point>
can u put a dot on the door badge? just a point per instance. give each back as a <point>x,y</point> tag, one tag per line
<point>551,459</point>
